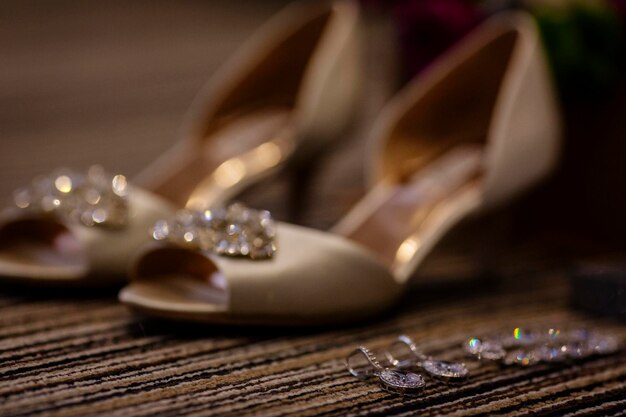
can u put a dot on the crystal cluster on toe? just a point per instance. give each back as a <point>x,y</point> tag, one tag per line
<point>528,347</point>
<point>235,230</point>
<point>94,198</point>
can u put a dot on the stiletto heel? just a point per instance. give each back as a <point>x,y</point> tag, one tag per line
<point>301,178</point>
<point>290,87</point>
<point>478,129</point>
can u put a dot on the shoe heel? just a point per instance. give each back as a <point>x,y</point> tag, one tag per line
<point>301,175</point>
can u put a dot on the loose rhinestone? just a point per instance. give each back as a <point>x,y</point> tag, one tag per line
<point>492,351</point>
<point>473,346</point>
<point>603,344</point>
<point>489,350</point>
<point>522,337</point>
<point>445,369</point>
<point>521,357</point>
<point>550,354</point>
<point>576,350</point>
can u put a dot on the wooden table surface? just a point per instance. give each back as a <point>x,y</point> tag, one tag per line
<point>109,82</point>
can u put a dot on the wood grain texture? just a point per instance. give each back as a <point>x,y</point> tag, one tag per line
<point>109,82</point>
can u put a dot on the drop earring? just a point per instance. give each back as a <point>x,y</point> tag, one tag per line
<point>443,370</point>
<point>395,380</point>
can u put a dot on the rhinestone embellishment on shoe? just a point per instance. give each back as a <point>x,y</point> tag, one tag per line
<point>92,199</point>
<point>235,230</point>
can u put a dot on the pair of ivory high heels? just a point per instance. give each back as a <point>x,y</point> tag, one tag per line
<point>476,129</point>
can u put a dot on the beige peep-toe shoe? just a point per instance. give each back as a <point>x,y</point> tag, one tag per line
<point>286,94</point>
<point>480,127</point>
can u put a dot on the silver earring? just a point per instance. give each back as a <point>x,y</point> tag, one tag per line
<point>443,370</point>
<point>396,380</point>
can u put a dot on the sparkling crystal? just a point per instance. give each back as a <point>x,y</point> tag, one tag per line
<point>473,346</point>
<point>185,217</point>
<point>554,334</point>
<point>92,196</point>
<point>63,183</point>
<point>89,199</point>
<point>119,185</point>
<point>50,203</point>
<point>189,236</point>
<point>445,369</point>
<point>397,380</point>
<point>86,218</point>
<point>523,337</point>
<point>231,231</point>
<point>23,198</point>
<point>221,247</point>
<point>233,249</point>
<point>237,211</point>
<point>548,353</point>
<point>160,230</point>
<point>489,350</point>
<point>551,345</point>
<point>521,357</point>
<point>216,214</point>
<point>99,215</point>
<point>578,335</point>
<point>576,350</point>
<point>603,344</point>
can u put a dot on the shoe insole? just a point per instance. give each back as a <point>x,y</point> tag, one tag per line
<point>397,220</point>
<point>40,249</point>
<point>243,148</point>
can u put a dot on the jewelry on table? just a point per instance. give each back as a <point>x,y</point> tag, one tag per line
<point>526,347</point>
<point>522,347</point>
<point>396,380</point>
<point>443,370</point>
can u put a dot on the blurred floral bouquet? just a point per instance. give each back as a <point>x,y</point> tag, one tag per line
<point>583,38</point>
